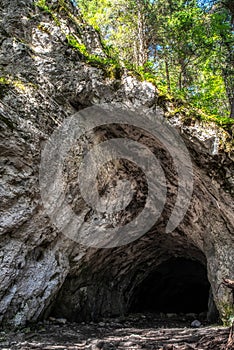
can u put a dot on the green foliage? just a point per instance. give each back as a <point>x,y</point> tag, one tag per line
<point>4,80</point>
<point>43,6</point>
<point>189,49</point>
<point>3,86</point>
<point>13,82</point>
<point>224,122</point>
<point>110,66</point>
<point>179,46</point>
<point>43,28</point>
<point>227,315</point>
<point>10,82</point>
<point>73,42</point>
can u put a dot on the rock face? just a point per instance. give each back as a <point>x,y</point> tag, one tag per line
<point>43,272</point>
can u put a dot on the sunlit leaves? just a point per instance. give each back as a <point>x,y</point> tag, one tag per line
<point>189,44</point>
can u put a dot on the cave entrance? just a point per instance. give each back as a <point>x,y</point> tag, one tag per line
<point>178,285</point>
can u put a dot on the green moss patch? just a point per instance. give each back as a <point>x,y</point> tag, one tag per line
<point>227,314</point>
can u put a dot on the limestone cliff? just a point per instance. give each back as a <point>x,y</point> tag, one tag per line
<point>45,79</point>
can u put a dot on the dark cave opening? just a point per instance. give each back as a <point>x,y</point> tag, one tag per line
<point>178,285</point>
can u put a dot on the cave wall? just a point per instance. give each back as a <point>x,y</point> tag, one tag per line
<point>43,272</point>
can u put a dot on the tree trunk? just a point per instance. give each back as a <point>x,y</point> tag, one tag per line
<point>232,108</point>
<point>168,77</point>
<point>182,73</point>
<point>142,54</point>
<point>227,73</point>
<point>229,4</point>
<point>135,53</point>
<point>180,80</point>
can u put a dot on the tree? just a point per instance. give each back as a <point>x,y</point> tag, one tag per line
<point>188,44</point>
<point>224,12</point>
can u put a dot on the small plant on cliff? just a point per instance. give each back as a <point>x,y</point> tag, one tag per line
<point>227,315</point>
<point>42,5</point>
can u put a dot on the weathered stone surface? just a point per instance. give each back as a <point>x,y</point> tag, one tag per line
<point>41,270</point>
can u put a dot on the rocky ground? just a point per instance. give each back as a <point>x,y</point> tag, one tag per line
<point>150,332</point>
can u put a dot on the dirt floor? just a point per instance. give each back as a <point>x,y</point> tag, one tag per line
<point>147,332</point>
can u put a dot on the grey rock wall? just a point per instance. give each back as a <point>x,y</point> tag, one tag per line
<point>43,81</point>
